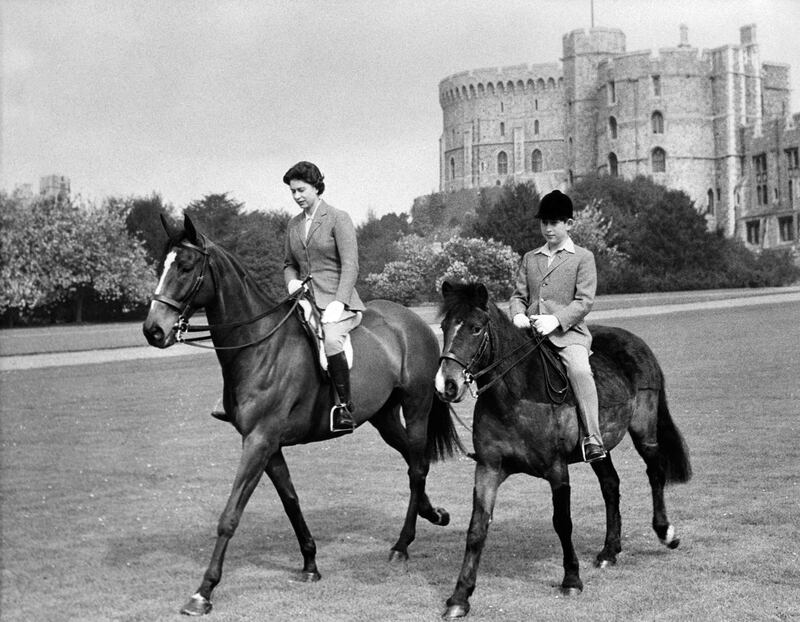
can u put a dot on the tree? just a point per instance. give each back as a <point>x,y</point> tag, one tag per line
<point>216,216</point>
<point>143,221</point>
<point>507,214</point>
<point>376,238</point>
<point>259,244</point>
<point>57,252</point>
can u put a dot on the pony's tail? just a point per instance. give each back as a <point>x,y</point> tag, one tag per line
<point>443,441</point>
<point>672,450</point>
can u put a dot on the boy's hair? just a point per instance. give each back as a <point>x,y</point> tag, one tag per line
<point>555,206</point>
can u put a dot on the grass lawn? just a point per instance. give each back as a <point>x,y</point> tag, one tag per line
<point>113,477</point>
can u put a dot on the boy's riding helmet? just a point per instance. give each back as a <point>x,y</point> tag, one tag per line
<point>555,206</point>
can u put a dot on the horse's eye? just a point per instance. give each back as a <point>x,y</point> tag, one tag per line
<point>476,329</point>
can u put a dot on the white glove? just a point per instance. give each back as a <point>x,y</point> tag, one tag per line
<point>333,312</point>
<point>294,285</point>
<point>545,324</point>
<point>521,321</point>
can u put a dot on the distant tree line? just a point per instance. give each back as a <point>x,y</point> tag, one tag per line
<point>69,260</point>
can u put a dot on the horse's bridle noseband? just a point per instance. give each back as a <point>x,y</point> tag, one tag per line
<point>183,307</point>
<point>469,375</point>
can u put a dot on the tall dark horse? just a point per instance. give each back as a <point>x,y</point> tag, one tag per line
<point>519,428</point>
<point>276,394</point>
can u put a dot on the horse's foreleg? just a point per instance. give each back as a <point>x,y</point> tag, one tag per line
<point>609,485</point>
<point>487,481</point>
<point>255,452</point>
<point>562,523</point>
<point>278,472</point>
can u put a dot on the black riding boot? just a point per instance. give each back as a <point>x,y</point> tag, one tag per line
<point>342,412</point>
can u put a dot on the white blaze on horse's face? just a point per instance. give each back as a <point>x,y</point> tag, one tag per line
<point>167,265</point>
<point>440,382</point>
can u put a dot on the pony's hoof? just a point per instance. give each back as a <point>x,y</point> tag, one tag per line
<point>670,540</point>
<point>197,606</point>
<point>398,557</point>
<point>571,591</point>
<point>604,563</point>
<point>674,544</point>
<point>305,576</point>
<point>455,611</point>
<point>443,517</point>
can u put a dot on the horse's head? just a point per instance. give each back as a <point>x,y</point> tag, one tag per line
<point>465,328</point>
<point>185,284</point>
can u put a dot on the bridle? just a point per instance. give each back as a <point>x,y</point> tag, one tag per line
<point>557,395</point>
<point>182,326</point>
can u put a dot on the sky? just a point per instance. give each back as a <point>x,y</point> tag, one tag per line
<point>186,98</point>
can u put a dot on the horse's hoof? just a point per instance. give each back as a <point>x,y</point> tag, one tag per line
<point>669,540</point>
<point>570,591</point>
<point>398,557</point>
<point>455,611</point>
<point>197,606</point>
<point>604,563</point>
<point>443,517</point>
<point>674,544</point>
<point>305,576</point>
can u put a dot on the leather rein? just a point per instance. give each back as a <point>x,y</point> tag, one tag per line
<point>528,347</point>
<point>182,326</point>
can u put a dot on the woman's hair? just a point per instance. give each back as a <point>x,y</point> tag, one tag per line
<point>307,172</point>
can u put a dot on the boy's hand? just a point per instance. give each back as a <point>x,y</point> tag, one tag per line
<point>545,324</point>
<point>521,321</point>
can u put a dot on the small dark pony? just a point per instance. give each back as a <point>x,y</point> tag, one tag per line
<point>276,394</point>
<point>519,427</point>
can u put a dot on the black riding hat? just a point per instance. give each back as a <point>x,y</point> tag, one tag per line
<point>555,206</point>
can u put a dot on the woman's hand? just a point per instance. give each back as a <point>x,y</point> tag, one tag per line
<point>521,321</point>
<point>294,285</point>
<point>333,312</point>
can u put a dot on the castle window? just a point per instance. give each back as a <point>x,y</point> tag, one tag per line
<point>612,92</point>
<point>658,122</point>
<point>792,160</point>
<point>536,161</point>
<point>452,168</point>
<point>551,84</point>
<point>791,192</point>
<point>502,107</point>
<point>536,126</point>
<point>613,165</point>
<point>760,171</point>
<point>502,129</point>
<point>536,104</point>
<point>612,127</point>
<point>710,202</point>
<point>753,232</point>
<point>502,163</point>
<point>659,160</point>
<point>786,228</point>
<point>656,86</point>
<point>540,84</point>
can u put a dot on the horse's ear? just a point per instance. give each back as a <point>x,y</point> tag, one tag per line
<point>191,232</point>
<point>482,296</point>
<point>446,288</point>
<point>173,232</point>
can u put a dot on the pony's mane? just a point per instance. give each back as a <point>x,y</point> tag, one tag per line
<point>463,297</point>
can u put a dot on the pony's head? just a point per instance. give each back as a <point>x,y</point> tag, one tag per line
<point>185,285</point>
<point>465,329</point>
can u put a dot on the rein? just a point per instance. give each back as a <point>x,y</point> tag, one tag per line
<point>528,347</point>
<point>182,326</point>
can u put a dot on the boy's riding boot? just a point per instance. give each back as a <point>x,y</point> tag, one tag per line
<point>592,443</point>
<point>342,412</point>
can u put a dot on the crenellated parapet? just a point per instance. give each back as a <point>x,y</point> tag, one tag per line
<point>500,81</point>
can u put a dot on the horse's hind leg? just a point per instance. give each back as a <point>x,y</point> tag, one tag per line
<point>643,431</point>
<point>609,485</point>
<point>278,472</point>
<point>412,448</point>
<point>562,523</point>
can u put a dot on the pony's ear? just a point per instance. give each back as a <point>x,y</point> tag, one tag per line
<point>191,232</point>
<point>446,288</point>
<point>482,296</point>
<point>174,233</point>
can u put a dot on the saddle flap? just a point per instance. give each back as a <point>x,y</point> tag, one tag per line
<point>311,320</point>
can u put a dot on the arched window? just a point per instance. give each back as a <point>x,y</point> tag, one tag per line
<point>536,161</point>
<point>452,169</point>
<point>658,122</point>
<point>710,202</point>
<point>613,165</point>
<point>612,127</point>
<point>536,126</point>
<point>659,158</point>
<point>502,163</point>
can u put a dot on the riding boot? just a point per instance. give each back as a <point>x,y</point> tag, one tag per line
<point>592,443</point>
<point>342,412</point>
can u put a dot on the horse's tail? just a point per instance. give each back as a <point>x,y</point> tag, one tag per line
<point>443,441</point>
<point>672,450</point>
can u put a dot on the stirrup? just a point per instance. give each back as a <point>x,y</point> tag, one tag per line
<point>591,439</point>
<point>341,428</point>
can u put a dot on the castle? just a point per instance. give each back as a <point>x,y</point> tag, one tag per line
<point>714,124</point>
